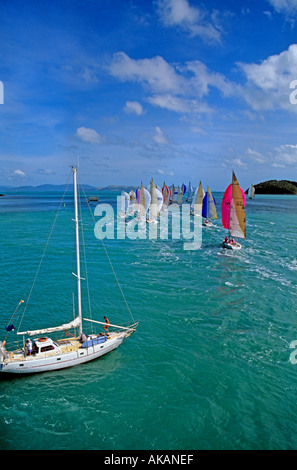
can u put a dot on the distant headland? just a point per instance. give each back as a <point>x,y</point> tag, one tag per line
<point>267,187</point>
<point>276,187</point>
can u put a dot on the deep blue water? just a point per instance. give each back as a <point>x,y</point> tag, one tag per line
<point>209,365</point>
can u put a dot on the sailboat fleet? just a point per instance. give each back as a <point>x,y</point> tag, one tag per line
<point>149,202</point>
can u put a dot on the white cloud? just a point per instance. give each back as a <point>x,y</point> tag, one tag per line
<point>169,84</point>
<point>154,73</point>
<point>268,83</point>
<point>133,107</point>
<point>88,135</point>
<point>256,156</point>
<point>282,156</point>
<point>88,75</point>
<point>20,173</point>
<point>285,154</point>
<point>288,7</point>
<point>235,162</point>
<point>159,136</point>
<point>239,162</point>
<point>192,20</point>
<point>178,105</point>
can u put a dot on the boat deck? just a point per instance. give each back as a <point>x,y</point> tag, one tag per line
<point>67,345</point>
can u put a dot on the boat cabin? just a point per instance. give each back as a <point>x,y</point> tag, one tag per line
<point>41,345</point>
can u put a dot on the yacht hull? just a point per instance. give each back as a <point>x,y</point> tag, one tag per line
<point>33,364</point>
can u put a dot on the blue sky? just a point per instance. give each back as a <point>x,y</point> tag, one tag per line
<point>176,90</point>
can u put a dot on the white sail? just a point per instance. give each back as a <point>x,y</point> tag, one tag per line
<point>173,194</point>
<point>133,204</point>
<point>125,200</point>
<point>159,199</point>
<point>144,201</point>
<point>179,196</point>
<point>154,200</point>
<point>251,192</point>
<point>196,205</point>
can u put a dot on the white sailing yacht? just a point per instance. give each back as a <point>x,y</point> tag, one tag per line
<point>51,354</point>
<point>153,207</point>
<point>251,192</point>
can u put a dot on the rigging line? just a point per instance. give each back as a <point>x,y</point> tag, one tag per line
<point>15,312</point>
<point>12,319</point>
<point>44,251</point>
<point>109,260</point>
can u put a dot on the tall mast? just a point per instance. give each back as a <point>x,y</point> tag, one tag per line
<point>74,169</point>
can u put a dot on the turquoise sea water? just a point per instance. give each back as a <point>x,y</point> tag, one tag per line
<point>208,367</point>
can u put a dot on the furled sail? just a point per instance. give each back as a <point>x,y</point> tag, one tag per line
<point>67,326</point>
<point>209,210</point>
<point>232,208</point>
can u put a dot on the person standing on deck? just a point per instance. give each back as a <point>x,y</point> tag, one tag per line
<point>29,347</point>
<point>106,325</point>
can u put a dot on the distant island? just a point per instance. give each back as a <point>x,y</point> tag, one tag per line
<point>113,187</point>
<point>267,187</point>
<point>43,187</point>
<point>276,187</point>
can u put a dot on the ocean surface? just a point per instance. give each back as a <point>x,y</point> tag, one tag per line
<point>209,365</point>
